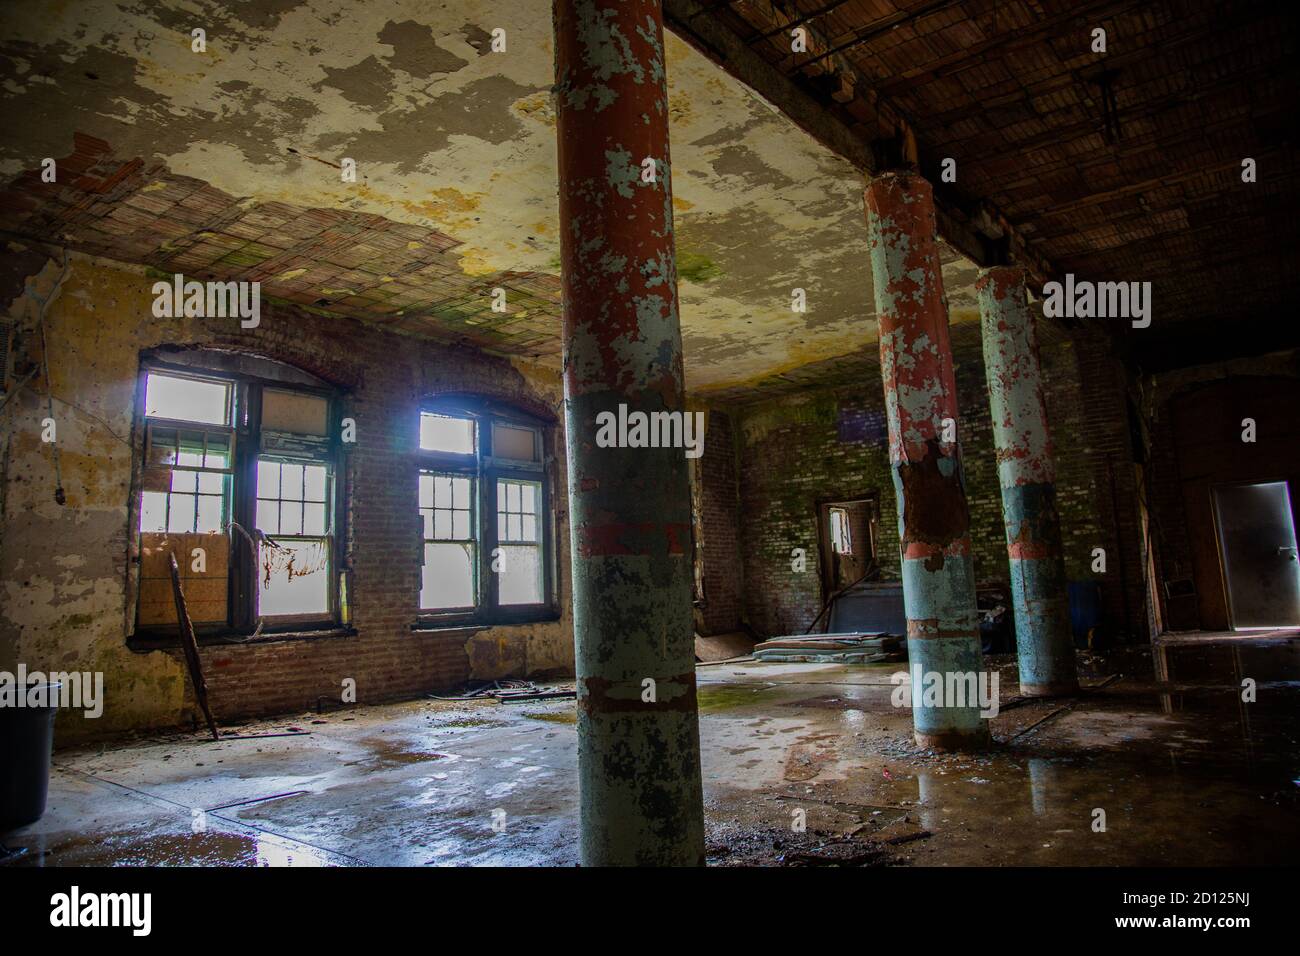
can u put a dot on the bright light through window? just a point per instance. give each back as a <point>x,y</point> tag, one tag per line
<point>187,399</point>
<point>453,436</point>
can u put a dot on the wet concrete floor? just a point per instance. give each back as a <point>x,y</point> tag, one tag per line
<point>804,764</point>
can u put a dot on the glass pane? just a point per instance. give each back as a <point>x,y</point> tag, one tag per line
<point>211,483</point>
<point>293,578</point>
<point>446,434</point>
<point>268,479</point>
<point>427,516</point>
<point>442,524</point>
<point>218,455</point>
<point>291,482</point>
<point>460,524</point>
<point>529,495</point>
<point>460,493</point>
<point>509,441</point>
<point>501,496</point>
<point>209,514</point>
<point>268,516</point>
<point>530,528</point>
<point>185,399</point>
<point>515,529</point>
<point>291,517</point>
<point>153,511</point>
<point>314,483</point>
<point>521,575</point>
<point>426,491</point>
<point>512,496</point>
<point>447,580</point>
<point>441,491</point>
<point>180,517</point>
<point>184,480</point>
<point>313,518</point>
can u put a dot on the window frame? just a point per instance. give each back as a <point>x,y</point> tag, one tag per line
<point>245,409</point>
<point>487,470</point>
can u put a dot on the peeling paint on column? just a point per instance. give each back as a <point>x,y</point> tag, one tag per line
<point>1023,446</point>
<point>920,392</point>
<point>638,761</point>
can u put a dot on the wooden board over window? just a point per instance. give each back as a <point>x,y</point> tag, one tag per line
<point>205,593</point>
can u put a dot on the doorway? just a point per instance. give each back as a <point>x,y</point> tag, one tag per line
<point>1257,551</point>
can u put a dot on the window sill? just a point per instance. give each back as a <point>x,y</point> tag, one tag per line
<point>151,642</point>
<point>469,628</point>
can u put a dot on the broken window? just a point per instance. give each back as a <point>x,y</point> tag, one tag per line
<point>841,536</point>
<point>237,481</point>
<point>484,512</point>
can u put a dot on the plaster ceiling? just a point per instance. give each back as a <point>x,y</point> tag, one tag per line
<point>206,161</point>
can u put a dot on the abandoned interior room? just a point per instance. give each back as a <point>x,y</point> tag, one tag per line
<point>781,433</point>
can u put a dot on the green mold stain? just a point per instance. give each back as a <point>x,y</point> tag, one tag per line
<point>693,267</point>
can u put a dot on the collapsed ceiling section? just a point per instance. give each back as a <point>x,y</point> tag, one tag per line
<point>228,163</point>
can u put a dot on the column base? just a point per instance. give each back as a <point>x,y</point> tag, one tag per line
<point>954,739</point>
<point>1059,689</point>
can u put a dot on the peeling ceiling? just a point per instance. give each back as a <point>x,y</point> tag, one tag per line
<point>226,163</point>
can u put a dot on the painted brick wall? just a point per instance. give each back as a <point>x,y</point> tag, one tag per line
<point>63,569</point>
<point>832,443</point>
<point>722,609</point>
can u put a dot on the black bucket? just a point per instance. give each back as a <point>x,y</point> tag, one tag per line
<point>26,743</point>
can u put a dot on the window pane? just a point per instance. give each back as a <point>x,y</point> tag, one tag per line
<point>210,483</point>
<point>460,524</point>
<point>291,482</point>
<point>530,528</point>
<point>290,517</point>
<point>314,483</point>
<point>313,518</point>
<point>184,481</point>
<point>209,514</point>
<point>186,399</point>
<point>447,580</point>
<point>427,517</point>
<point>441,491</point>
<point>293,578</point>
<point>529,502</point>
<point>520,579</point>
<point>512,496</point>
<point>268,479</point>
<point>501,496</point>
<point>180,517</point>
<point>460,493</point>
<point>516,529</point>
<point>268,516</point>
<point>510,441</point>
<point>442,524</point>
<point>153,511</point>
<point>426,491</point>
<point>446,434</point>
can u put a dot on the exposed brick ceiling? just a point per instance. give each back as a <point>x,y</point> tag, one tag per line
<point>1012,90</point>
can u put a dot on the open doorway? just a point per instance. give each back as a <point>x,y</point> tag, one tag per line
<point>1257,551</point>
<point>847,538</point>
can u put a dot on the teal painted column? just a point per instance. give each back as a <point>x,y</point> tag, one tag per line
<point>1023,444</point>
<point>921,405</point>
<point>641,800</point>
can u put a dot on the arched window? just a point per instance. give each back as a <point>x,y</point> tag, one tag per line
<point>485,514</point>
<point>237,479</point>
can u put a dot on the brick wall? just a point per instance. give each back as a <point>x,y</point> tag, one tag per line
<point>832,443</point>
<point>722,607</point>
<point>66,569</point>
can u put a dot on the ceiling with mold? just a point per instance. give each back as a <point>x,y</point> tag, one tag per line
<point>226,163</point>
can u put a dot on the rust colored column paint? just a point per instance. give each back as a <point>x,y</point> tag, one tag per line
<point>1023,445</point>
<point>638,726</point>
<point>933,519</point>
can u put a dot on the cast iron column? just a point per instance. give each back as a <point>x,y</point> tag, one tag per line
<point>921,404</point>
<point>1023,443</point>
<point>629,508</point>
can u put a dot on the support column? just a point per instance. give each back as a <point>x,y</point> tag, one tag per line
<point>629,508</point>
<point>1023,445</point>
<point>933,518</point>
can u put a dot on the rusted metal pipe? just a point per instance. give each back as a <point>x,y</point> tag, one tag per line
<point>1023,445</point>
<point>921,404</point>
<point>629,508</point>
